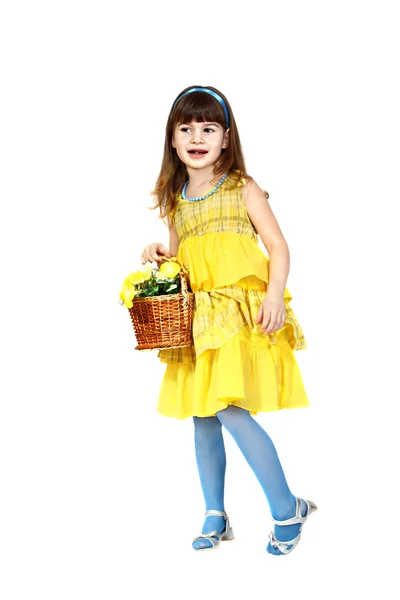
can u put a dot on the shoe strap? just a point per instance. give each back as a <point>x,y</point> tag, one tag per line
<point>283,546</point>
<point>296,519</point>
<point>214,533</point>
<point>210,537</point>
<point>216,513</point>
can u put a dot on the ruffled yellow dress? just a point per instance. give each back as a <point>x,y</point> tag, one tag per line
<point>231,361</point>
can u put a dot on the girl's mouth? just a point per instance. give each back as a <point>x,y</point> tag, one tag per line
<point>197,153</point>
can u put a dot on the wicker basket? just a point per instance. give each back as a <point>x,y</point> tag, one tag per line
<point>164,321</point>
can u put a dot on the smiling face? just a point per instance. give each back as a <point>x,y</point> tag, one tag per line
<point>199,145</point>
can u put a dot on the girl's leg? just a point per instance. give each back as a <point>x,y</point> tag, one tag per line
<point>211,464</point>
<point>259,451</point>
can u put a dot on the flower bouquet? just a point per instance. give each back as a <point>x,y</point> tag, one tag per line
<point>160,305</point>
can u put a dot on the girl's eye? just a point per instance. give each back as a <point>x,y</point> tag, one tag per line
<point>205,129</point>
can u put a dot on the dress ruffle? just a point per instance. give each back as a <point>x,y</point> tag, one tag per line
<point>263,372</point>
<point>219,314</point>
<point>218,259</point>
<point>260,378</point>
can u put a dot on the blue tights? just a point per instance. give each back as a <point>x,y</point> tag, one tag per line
<point>260,453</point>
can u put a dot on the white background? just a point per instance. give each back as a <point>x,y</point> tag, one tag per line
<point>100,494</point>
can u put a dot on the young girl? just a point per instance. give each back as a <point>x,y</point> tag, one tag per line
<point>244,330</point>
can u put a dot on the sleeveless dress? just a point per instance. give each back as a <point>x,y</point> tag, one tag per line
<point>231,361</point>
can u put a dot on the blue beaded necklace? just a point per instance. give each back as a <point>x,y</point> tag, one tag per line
<point>220,182</point>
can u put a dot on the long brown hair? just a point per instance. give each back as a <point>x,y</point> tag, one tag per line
<point>199,107</point>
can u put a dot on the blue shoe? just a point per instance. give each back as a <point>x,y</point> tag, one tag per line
<point>283,546</point>
<point>214,537</point>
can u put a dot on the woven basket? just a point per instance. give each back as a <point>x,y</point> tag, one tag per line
<point>164,321</point>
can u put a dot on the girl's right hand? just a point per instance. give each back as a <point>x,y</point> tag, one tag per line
<point>154,252</point>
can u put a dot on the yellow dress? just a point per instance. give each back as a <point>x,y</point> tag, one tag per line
<point>231,361</point>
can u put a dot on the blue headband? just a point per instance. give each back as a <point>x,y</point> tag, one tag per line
<point>203,89</point>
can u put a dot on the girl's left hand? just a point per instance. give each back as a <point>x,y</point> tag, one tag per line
<point>272,313</point>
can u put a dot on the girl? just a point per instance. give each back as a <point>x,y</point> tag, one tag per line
<point>244,330</point>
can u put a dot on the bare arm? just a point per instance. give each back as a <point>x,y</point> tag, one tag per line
<point>262,217</point>
<point>173,239</point>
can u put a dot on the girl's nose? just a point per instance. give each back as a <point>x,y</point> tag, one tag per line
<point>196,137</point>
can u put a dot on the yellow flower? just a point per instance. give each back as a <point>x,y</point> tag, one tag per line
<point>138,277</point>
<point>148,267</point>
<point>170,269</point>
<point>127,293</point>
<point>160,276</point>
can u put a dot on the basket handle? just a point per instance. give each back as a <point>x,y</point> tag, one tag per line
<point>184,287</point>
